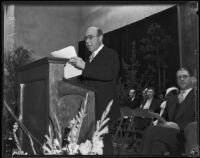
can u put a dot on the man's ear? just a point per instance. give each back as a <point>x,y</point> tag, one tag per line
<point>101,38</point>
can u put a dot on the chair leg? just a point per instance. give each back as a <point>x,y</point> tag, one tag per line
<point>117,133</point>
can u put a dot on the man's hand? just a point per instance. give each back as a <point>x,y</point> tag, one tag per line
<point>77,62</point>
<point>171,125</point>
<point>155,122</point>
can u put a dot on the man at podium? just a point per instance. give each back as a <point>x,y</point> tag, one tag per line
<point>100,72</point>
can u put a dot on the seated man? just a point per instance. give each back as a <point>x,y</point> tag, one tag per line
<point>180,110</point>
<point>133,100</point>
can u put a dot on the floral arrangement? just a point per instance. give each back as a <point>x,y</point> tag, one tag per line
<point>54,146</point>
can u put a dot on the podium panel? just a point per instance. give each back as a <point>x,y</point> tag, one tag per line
<point>43,93</point>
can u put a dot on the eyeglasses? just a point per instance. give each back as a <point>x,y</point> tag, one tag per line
<point>182,77</point>
<point>89,37</point>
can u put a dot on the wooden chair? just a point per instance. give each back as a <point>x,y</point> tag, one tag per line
<point>121,134</point>
<point>130,129</point>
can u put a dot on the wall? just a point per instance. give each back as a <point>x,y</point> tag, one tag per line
<point>44,29</point>
<point>112,17</point>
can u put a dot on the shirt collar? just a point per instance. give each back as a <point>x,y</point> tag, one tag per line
<point>97,51</point>
<point>187,91</point>
<point>132,98</point>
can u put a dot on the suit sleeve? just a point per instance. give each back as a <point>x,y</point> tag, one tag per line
<point>186,119</point>
<point>105,69</point>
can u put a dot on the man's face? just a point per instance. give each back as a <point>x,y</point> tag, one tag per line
<point>183,79</point>
<point>92,40</point>
<point>131,94</point>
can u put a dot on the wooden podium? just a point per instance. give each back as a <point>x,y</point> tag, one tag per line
<point>43,93</point>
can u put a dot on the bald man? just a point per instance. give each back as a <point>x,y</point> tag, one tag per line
<point>100,72</point>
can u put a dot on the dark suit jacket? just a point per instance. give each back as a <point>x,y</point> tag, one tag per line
<point>154,106</point>
<point>186,113</point>
<point>101,75</point>
<point>133,103</point>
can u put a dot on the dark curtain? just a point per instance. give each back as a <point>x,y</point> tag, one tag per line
<point>121,39</point>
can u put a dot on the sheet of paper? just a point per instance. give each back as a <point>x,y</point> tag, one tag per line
<point>70,71</point>
<point>66,52</point>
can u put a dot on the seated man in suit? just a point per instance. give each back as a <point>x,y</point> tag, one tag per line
<point>132,95</point>
<point>180,110</point>
<point>133,100</point>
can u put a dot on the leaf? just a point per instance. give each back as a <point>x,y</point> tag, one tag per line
<point>80,114</point>
<point>82,110</point>
<point>105,121</point>
<point>103,131</point>
<point>98,124</point>
<point>78,119</point>
<point>78,122</point>
<point>50,134</point>
<point>57,129</point>
<point>46,149</point>
<point>105,113</point>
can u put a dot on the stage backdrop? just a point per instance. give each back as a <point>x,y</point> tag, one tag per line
<point>148,51</point>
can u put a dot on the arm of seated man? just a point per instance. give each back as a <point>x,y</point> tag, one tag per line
<point>171,125</point>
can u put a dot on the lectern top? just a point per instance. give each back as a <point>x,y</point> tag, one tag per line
<point>42,61</point>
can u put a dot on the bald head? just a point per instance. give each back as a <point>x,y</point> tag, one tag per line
<point>94,29</point>
<point>93,38</point>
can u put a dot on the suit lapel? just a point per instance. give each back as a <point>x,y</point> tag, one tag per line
<point>172,106</point>
<point>143,103</point>
<point>152,105</point>
<point>99,54</point>
<point>184,105</point>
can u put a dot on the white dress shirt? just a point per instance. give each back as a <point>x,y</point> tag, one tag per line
<point>95,52</point>
<point>132,98</point>
<point>185,93</point>
<point>162,107</point>
<point>147,104</point>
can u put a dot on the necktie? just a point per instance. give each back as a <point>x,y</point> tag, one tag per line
<point>181,96</point>
<point>91,57</point>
